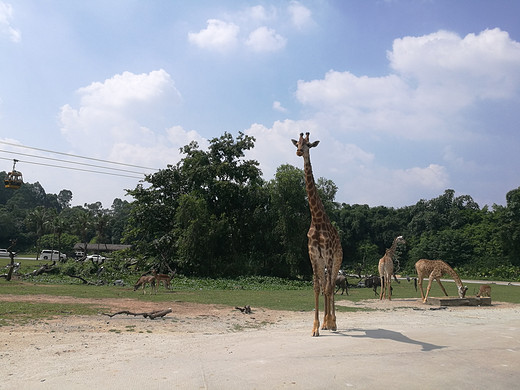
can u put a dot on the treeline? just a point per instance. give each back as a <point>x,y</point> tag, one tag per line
<point>212,214</point>
<point>38,220</point>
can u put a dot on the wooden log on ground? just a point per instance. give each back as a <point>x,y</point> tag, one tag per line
<point>151,315</point>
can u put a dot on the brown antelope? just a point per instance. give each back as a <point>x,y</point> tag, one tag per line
<point>485,291</point>
<point>166,279</point>
<point>144,280</point>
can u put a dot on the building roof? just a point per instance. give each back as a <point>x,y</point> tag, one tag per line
<point>101,247</point>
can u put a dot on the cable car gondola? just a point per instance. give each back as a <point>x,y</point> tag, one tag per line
<point>14,178</point>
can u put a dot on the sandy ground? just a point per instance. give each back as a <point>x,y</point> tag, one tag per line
<point>402,345</point>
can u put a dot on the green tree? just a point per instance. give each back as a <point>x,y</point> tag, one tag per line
<point>511,226</point>
<point>217,192</point>
<point>39,219</point>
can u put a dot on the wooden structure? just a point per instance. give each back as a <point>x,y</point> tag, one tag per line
<point>456,301</point>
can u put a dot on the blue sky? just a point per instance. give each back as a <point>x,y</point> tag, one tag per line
<point>407,97</point>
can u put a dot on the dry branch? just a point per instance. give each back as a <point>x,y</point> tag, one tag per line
<point>46,268</point>
<point>246,309</point>
<point>151,315</point>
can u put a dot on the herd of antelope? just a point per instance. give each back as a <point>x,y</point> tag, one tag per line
<point>154,280</point>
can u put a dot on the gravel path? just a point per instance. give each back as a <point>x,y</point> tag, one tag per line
<point>400,344</point>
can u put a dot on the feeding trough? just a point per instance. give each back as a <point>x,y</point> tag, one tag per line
<point>456,301</point>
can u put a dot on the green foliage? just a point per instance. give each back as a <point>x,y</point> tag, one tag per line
<point>212,215</point>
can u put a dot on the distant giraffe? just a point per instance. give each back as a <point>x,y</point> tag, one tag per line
<point>324,244</point>
<point>434,269</point>
<point>386,269</point>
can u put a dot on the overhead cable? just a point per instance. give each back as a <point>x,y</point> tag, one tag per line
<point>70,162</point>
<point>77,156</point>
<point>75,169</point>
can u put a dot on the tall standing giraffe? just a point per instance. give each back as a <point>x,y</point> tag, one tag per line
<point>324,244</point>
<point>386,269</point>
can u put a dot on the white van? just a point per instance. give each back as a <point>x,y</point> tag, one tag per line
<point>47,254</point>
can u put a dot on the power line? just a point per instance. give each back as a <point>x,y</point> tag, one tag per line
<point>74,169</point>
<point>70,162</point>
<point>77,156</point>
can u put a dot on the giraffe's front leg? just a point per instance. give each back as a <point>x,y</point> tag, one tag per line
<point>316,325</point>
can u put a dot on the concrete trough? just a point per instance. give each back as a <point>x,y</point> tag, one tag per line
<point>456,301</point>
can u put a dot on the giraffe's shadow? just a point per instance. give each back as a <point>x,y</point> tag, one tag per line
<point>385,334</point>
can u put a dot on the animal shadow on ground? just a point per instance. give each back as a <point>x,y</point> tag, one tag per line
<point>384,334</point>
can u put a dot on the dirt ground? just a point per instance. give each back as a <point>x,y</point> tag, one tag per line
<point>402,343</point>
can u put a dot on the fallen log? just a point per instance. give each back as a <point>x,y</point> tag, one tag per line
<point>46,268</point>
<point>151,315</point>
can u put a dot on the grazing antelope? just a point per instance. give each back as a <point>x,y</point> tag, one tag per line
<point>144,280</point>
<point>485,291</point>
<point>166,279</point>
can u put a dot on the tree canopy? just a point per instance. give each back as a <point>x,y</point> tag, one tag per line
<point>212,214</point>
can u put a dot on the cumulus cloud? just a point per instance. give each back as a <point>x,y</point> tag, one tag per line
<point>356,171</point>
<point>112,123</point>
<point>265,39</point>
<point>259,14</point>
<point>436,77</point>
<point>253,27</point>
<point>218,35</point>
<point>277,106</point>
<point>300,15</point>
<point>115,112</point>
<point>481,66</point>
<point>6,28</point>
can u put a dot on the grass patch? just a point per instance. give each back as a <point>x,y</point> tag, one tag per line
<point>268,293</point>
<point>12,313</point>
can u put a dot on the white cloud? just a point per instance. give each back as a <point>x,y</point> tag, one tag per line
<point>254,27</point>
<point>277,106</point>
<point>301,16</point>
<point>438,76</point>
<point>127,88</point>
<point>356,172</point>
<point>113,112</point>
<point>109,124</point>
<point>6,15</point>
<point>259,14</point>
<point>482,66</point>
<point>433,177</point>
<point>265,39</point>
<point>219,35</point>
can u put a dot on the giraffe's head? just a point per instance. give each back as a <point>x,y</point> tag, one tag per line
<point>303,144</point>
<point>462,291</point>
<point>400,240</point>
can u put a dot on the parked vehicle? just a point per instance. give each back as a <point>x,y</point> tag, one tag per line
<point>48,254</point>
<point>96,258</point>
<point>79,255</point>
<point>4,253</point>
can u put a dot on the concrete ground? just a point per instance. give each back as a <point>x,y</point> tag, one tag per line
<point>402,345</point>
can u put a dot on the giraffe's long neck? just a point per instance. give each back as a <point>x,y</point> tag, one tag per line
<point>315,203</point>
<point>454,275</point>
<point>390,252</point>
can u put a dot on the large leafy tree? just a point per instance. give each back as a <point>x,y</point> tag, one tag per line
<point>207,207</point>
<point>290,216</point>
